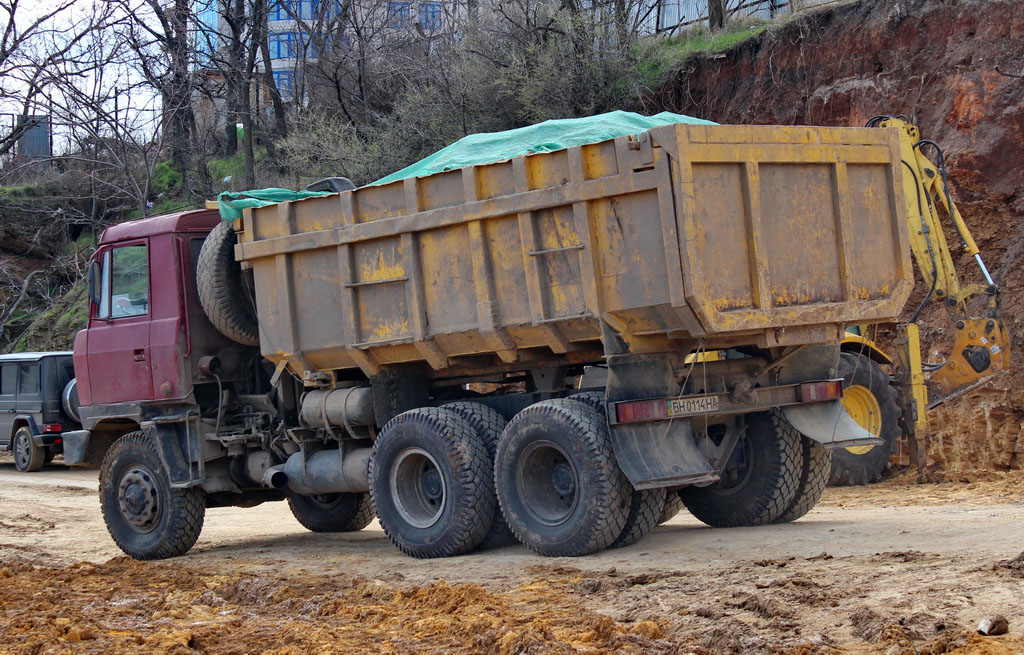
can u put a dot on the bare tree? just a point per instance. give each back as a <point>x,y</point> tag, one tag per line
<point>159,35</point>
<point>32,44</point>
<point>716,14</point>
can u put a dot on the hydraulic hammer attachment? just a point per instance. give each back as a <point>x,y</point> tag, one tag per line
<point>981,352</point>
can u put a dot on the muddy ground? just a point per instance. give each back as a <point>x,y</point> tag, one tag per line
<point>896,568</point>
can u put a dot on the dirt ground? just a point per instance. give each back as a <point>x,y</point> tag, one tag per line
<point>896,568</point>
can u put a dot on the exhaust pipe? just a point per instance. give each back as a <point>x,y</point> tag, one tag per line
<point>275,477</point>
<point>323,472</point>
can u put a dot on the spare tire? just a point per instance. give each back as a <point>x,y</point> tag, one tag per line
<point>69,400</point>
<point>225,294</point>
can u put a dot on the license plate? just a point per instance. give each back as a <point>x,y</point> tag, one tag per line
<point>691,406</point>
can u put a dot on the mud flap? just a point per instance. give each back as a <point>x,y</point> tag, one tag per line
<point>660,454</point>
<point>177,441</point>
<point>655,454</point>
<point>76,443</point>
<point>830,425</point>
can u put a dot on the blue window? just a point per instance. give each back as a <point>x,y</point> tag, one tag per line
<point>290,45</point>
<point>430,15</point>
<point>284,45</point>
<point>304,9</point>
<point>285,82</point>
<point>290,9</point>
<point>399,14</point>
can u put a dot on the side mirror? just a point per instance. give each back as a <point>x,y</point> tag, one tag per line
<point>94,276</point>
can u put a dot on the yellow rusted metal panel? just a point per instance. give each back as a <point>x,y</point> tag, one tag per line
<point>729,234</point>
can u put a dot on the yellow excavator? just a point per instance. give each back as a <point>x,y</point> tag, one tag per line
<point>894,406</point>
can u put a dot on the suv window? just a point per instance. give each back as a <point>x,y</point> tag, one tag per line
<point>8,379</point>
<point>67,374</point>
<point>28,384</point>
<point>124,290</point>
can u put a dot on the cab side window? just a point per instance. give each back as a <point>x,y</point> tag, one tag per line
<point>124,286</point>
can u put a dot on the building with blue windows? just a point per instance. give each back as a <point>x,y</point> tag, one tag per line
<point>298,30</point>
<point>207,42</point>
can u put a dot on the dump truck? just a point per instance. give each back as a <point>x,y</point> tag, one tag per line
<point>413,350</point>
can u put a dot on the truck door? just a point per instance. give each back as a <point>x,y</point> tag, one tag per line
<point>8,400</point>
<point>118,354</point>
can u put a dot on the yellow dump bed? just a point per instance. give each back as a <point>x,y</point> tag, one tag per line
<point>727,234</point>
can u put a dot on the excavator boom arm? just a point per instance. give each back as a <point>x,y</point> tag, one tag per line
<point>981,348</point>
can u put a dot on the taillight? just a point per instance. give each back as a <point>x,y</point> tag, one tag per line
<point>53,427</point>
<point>817,391</point>
<point>641,410</point>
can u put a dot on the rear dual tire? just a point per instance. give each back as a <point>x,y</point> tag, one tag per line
<point>558,483</point>
<point>647,506</point>
<point>488,425</point>
<point>430,480</point>
<point>761,480</point>
<point>673,505</point>
<point>340,512</point>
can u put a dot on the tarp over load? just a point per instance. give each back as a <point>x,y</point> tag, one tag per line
<point>484,148</point>
<point>490,147</point>
<point>231,203</point>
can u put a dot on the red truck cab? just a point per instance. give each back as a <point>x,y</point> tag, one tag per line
<point>138,355</point>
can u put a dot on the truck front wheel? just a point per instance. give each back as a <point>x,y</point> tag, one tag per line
<point>430,480</point>
<point>559,485</point>
<point>146,517</point>
<point>760,480</point>
<point>342,512</point>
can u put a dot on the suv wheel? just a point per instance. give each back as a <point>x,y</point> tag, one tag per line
<point>28,456</point>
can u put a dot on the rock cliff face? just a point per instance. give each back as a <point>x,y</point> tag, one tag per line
<point>956,68</point>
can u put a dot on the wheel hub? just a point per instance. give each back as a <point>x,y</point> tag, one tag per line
<point>137,499</point>
<point>22,451</point>
<point>863,407</point>
<point>562,479</point>
<point>433,487</point>
<point>547,483</point>
<point>417,487</point>
<point>737,470</point>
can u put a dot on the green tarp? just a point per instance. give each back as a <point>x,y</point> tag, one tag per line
<point>484,148</point>
<point>544,137</point>
<point>231,203</point>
